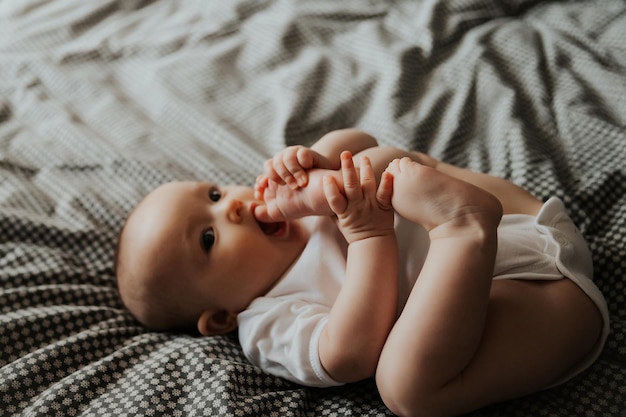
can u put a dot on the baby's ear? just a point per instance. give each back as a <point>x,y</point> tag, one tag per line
<point>213,323</point>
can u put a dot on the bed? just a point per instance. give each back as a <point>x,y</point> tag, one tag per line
<point>101,101</point>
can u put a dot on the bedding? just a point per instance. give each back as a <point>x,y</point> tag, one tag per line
<point>101,101</point>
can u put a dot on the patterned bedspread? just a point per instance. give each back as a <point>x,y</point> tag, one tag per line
<point>100,101</point>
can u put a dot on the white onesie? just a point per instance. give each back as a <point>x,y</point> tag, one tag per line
<point>280,331</point>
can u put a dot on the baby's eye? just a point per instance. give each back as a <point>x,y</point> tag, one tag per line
<point>215,194</point>
<point>207,239</point>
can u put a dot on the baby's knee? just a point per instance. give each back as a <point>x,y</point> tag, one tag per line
<point>390,392</point>
<point>425,159</point>
<point>406,395</point>
<point>397,393</point>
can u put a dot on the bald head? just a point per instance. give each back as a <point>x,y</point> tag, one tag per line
<point>148,264</point>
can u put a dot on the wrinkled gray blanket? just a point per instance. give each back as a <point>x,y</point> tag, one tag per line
<point>100,101</point>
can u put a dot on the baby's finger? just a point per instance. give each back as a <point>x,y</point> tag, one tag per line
<point>351,184</point>
<point>306,157</point>
<point>393,167</point>
<point>268,168</point>
<point>296,169</point>
<point>268,213</point>
<point>259,186</point>
<point>261,213</point>
<point>336,201</point>
<point>261,181</point>
<point>385,191</point>
<point>368,179</point>
<point>283,172</point>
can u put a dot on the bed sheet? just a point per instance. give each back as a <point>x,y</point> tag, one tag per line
<point>101,101</point>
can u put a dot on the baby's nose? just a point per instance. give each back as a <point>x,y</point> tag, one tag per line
<point>234,210</point>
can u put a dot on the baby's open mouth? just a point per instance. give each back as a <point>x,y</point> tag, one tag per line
<point>271,229</point>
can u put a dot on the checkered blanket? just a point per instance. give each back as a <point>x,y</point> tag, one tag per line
<point>101,101</point>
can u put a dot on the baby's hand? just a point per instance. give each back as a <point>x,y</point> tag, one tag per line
<point>290,166</point>
<point>362,210</point>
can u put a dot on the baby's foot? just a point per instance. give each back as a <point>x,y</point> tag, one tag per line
<point>431,198</point>
<point>283,202</point>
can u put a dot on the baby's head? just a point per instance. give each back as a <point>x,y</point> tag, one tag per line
<point>192,255</point>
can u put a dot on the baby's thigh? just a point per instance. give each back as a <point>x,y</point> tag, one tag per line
<point>534,333</point>
<point>513,198</point>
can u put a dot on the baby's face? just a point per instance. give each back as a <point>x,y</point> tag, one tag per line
<point>206,240</point>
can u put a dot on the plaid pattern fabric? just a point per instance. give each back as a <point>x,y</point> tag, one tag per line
<point>102,101</point>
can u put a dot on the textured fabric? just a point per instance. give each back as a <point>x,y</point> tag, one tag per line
<point>100,101</point>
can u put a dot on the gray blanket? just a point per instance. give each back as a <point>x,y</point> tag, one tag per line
<point>100,101</point>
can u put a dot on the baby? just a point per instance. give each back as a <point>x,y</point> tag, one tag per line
<point>454,289</point>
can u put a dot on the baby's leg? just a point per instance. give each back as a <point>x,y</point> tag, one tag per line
<point>513,198</point>
<point>463,341</point>
<point>442,323</point>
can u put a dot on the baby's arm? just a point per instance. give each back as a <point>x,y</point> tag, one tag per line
<point>365,309</point>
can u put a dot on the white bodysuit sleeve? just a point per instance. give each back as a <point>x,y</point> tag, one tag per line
<point>282,336</point>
